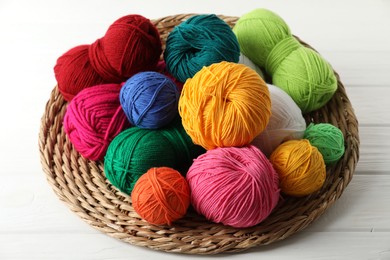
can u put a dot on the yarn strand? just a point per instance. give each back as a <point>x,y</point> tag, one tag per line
<point>161,196</point>
<point>301,72</point>
<point>225,104</point>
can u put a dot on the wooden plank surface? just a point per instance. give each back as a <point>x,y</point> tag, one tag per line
<point>304,246</point>
<point>352,35</point>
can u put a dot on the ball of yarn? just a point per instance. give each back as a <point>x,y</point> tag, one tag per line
<point>130,45</point>
<point>136,150</point>
<point>246,61</point>
<point>74,72</point>
<point>93,118</point>
<point>300,166</point>
<point>161,196</point>
<point>258,32</point>
<point>199,41</point>
<point>149,100</point>
<point>224,104</point>
<point>307,78</point>
<point>304,74</point>
<point>286,122</point>
<point>234,186</point>
<point>328,139</point>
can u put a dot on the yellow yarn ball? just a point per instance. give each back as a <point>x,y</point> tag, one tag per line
<point>300,166</point>
<point>224,104</point>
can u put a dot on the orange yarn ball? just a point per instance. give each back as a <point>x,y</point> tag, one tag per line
<point>224,104</point>
<point>300,166</point>
<point>161,196</point>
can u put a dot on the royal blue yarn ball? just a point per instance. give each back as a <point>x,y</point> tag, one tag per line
<point>149,100</point>
<point>197,42</point>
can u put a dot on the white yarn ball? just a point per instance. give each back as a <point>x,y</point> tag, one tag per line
<point>286,122</point>
<point>246,61</point>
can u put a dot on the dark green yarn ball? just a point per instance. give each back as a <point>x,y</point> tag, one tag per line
<point>328,139</point>
<point>136,150</point>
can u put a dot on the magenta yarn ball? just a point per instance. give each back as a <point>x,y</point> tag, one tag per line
<point>93,118</point>
<point>235,186</point>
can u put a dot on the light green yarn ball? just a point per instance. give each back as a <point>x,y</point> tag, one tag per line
<point>328,139</point>
<point>301,72</point>
<point>258,32</point>
<point>309,91</point>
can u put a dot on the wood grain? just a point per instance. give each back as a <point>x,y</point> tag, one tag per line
<point>304,246</point>
<point>34,224</point>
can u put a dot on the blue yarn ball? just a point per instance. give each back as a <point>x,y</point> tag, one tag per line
<point>200,41</point>
<point>149,100</point>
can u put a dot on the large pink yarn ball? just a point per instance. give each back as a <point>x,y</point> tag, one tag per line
<point>235,186</point>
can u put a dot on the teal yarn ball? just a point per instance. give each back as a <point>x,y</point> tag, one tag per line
<point>135,150</point>
<point>197,42</point>
<point>301,72</point>
<point>328,139</point>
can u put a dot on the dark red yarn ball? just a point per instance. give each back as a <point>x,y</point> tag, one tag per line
<point>74,72</point>
<point>131,44</point>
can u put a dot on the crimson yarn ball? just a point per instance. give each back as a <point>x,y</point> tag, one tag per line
<point>74,72</point>
<point>131,44</point>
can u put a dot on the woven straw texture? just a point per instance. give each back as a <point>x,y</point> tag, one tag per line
<point>82,185</point>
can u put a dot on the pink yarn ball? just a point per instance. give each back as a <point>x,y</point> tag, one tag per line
<point>236,186</point>
<point>93,118</point>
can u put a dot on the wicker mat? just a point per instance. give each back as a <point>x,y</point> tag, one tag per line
<point>81,184</point>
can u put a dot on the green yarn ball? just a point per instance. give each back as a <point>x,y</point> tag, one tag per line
<point>197,42</point>
<point>328,139</point>
<point>301,72</point>
<point>322,83</point>
<point>258,32</point>
<point>136,150</point>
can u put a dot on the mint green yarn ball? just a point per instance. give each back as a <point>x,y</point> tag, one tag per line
<point>258,32</point>
<point>300,71</point>
<point>328,139</point>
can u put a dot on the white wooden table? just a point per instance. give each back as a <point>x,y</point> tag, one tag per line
<point>34,224</point>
